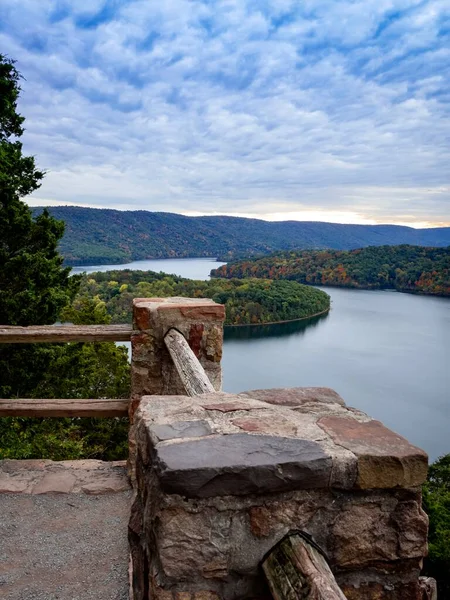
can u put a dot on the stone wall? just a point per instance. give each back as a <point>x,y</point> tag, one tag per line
<point>200,320</point>
<point>222,478</point>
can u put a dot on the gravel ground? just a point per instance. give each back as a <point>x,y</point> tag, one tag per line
<point>64,546</point>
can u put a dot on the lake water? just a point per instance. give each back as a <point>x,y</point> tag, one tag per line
<point>193,268</point>
<point>385,353</point>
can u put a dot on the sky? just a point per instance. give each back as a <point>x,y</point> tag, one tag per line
<point>330,110</point>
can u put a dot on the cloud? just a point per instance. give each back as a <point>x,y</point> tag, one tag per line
<point>265,107</point>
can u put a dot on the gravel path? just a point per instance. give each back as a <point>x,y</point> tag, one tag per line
<point>64,546</point>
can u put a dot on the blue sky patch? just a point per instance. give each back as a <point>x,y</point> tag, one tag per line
<point>320,110</point>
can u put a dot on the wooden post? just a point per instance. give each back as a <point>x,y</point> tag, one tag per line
<point>295,569</point>
<point>191,372</point>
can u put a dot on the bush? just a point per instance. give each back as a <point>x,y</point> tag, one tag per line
<point>436,502</point>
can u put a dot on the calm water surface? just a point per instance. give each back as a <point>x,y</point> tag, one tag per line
<point>385,353</point>
<point>193,268</point>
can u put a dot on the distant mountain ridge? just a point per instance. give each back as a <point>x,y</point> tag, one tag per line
<point>95,235</point>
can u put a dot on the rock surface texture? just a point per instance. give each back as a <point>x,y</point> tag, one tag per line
<point>152,369</point>
<point>199,320</point>
<point>63,530</point>
<point>221,478</point>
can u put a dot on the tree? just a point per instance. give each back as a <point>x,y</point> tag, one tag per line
<point>17,172</point>
<point>34,286</point>
<point>436,502</point>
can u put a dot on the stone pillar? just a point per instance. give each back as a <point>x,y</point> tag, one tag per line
<point>222,478</point>
<point>200,320</point>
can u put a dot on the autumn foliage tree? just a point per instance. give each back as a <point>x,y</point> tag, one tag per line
<point>403,268</point>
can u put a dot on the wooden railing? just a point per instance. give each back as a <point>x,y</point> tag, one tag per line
<point>65,333</point>
<point>188,367</point>
<point>61,407</point>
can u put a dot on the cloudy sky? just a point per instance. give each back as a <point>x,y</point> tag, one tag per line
<point>333,110</point>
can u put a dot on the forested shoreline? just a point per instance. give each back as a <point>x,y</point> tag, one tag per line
<point>403,268</point>
<point>248,302</point>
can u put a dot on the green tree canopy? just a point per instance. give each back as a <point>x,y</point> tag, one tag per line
<point>34,286</point>
<point>436,501</point>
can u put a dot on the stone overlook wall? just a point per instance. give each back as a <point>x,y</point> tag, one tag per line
<point>222,478</point>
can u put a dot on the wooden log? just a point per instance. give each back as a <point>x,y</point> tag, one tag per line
<point>191,372</point>
<point>296,569</point>
<point>428,587</point>
<point>65,333</point>
<point>31,407</point>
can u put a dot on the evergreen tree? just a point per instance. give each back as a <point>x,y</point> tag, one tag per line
<point>34,286</point>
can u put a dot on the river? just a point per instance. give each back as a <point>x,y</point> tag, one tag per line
<point>385,353</point>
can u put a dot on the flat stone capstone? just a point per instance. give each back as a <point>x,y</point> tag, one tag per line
<point>239,464</point>
<point>221,478</point>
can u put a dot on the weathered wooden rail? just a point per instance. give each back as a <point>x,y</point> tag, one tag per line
<point>191,373</point>
<point>62,407</point>
<point>65,333</point>
<point>296,569</point>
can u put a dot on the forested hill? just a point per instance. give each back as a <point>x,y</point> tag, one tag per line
<point>403,268</point>
<point>249,302</point>
<point>111,236</point>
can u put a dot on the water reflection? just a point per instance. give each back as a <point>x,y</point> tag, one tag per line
<point>253,332</point>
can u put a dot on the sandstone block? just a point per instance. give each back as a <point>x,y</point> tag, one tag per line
<point>279,516</point>
<point>380,529</point>
<point>296,396</point>
<point>228,406</point>
<point>193,543</point>
<point>207,310</point>
<point>385,459</point>
<point>195,337</point>
<point>389,590</point>
<point>181,430</point>
<point>268,424</point>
